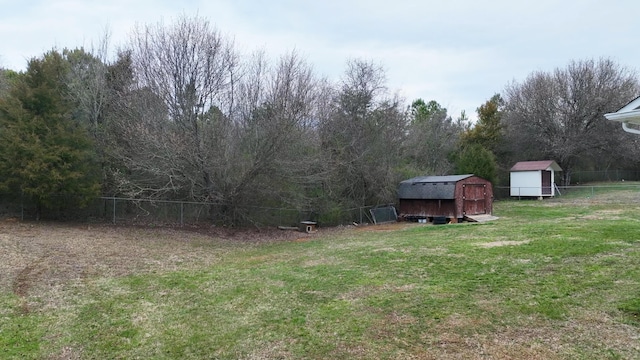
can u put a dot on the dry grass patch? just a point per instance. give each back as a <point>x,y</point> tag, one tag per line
<point>503,243</point>
<point>319,261</point>
<point>67,353</point>
<point>606,214</point>
<point>463,337</point>
<point>271,350</point>
<point>37,259</point>
<point>391,226</point>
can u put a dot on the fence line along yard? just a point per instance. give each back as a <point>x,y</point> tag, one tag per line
<point>123,210</point>
<point>504,192</point>
<point>130,210</point>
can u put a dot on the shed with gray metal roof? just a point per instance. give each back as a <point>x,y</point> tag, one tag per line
<point>451,196</point>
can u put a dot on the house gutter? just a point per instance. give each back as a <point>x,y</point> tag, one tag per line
<point>626,118</point>
<point>628,129</point>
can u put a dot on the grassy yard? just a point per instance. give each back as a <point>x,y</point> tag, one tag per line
<point>553,279</point>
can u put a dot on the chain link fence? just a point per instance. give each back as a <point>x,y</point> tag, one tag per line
<point>117,210</point>
<point>583,177</point>
<point>504,192</point>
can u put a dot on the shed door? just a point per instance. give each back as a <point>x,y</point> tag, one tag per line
<point>473,199</point>
<point>546,182</point>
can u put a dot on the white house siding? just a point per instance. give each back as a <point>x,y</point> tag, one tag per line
<point>526,183</point>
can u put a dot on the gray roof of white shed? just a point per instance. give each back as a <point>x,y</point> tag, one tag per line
<point>430,187</point>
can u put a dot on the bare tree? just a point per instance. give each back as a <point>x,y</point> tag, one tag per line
<point>186,70</point>
<point>432,136</point>
<point>361,137</point>
<point>147,156</point>
<point>202,125</point>
<point>189,65</point>
<point>560,114</point>
<point>87,81</point>
<point>276,148</point>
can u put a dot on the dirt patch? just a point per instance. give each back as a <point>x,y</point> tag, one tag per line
<point>502,243</point>
<point>37,257</point>
<point>21,283</point>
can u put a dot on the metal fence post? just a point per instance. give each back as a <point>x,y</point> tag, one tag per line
<point>114,210</point>
<point>181,213</point>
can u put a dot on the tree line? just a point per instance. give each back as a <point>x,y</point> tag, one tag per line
<point>179,113</point>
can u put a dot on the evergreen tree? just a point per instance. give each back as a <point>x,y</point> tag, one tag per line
<point>487,132</point>
<point>480,145</point>
<point>478,160</point>
<point>44,152</point>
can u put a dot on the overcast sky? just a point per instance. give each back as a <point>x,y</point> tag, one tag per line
<point>457,52</point>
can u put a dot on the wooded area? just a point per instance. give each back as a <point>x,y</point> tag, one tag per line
<point>181,114</point>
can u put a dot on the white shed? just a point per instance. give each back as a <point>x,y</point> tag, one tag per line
<point>534,178</point>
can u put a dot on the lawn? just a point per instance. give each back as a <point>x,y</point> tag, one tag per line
<point>553,279</point>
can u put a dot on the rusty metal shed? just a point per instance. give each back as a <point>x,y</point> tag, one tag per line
<point>453,197</point>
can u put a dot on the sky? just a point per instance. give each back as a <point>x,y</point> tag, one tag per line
<point>456,52</point>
